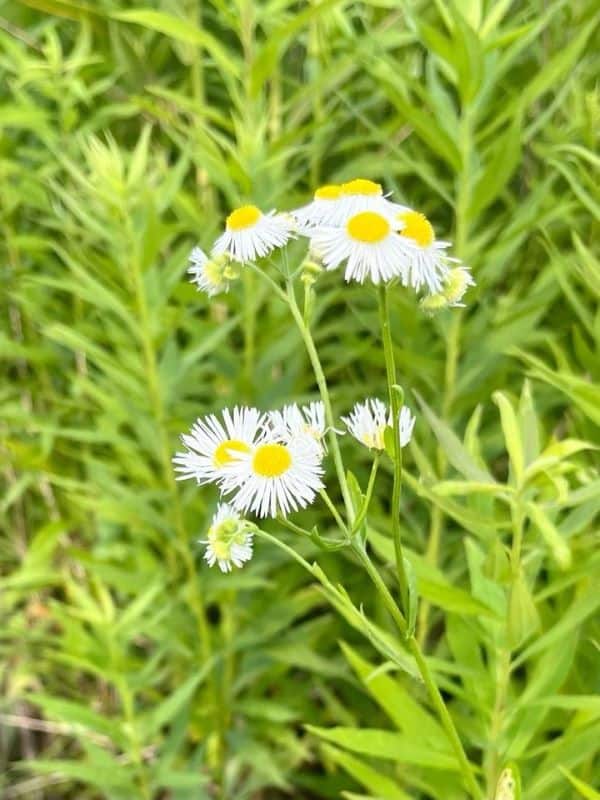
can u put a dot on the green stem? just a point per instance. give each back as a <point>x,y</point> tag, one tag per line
<point>428,679</point>
<point>413,645</point>
<point>382,588</point>
<point>446,719</point>
<point>334,512</point>
<point>324,392</point>
<point>390,368</point>
<point>367,501</point>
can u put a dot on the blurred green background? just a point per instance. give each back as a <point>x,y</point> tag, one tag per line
<point>127,132</point>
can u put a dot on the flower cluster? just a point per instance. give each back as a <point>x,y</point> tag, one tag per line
<point>353,224</point>
<point>268,464</point>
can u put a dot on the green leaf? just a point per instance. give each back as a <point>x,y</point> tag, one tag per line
<point>584,789</point>
<point>386,745</point>
<point>500,165</point>
<point>523,618</point>
<point>555,541</point>
<point>512,436</point>
<point>181,29</point>
<point>372,779</point>
<point>454,449</point>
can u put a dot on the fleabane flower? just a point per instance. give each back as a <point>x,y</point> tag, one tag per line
<point>456,283</point>
<point>276,477</point>
<point>292,421</point>
<point>429,264</point>
<point>368,242</point>
<point>212,443</point>
<point>211,275</point>
<point>362,194</point>
<point>368,421</point>
<point>229,539</point>
<point>250,234</point>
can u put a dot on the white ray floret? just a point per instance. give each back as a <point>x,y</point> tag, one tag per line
<point>213,443</point>
<point>362,194</point>
<point>369,243</point>
<point>277,477</point>
<point>324,208</point>
<point>429,264</point>
<point>368,421</point>
<point>229,539</point>
<point>293,420</point>
<point>250,234</point>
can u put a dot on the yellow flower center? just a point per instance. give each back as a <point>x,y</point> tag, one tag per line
<point>223,452</point>
<point>244,217</point>
<point>221,550</point>
<point>362,186</point>
<point>368,226</point>
<point>374,439</point>
<point>330,191</point>
<point>271,460</point>
<point>417,227</point>
<point>213,272</point>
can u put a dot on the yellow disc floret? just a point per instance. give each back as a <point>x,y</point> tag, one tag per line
<point>243,217</point>
<point>330,191</point>
<point>374,439</point>
<point>368,227</point>
<point>271,460</point>
<point>362,186</point>
<point>417,227</point>
<point>223,453</point>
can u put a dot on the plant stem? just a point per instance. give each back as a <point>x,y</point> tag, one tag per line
<point>390,369</point>
<point>445,718</point>
<point>413,645</point>
<point>324,392</point>
<point>367,501</point>
<point>428,679</point>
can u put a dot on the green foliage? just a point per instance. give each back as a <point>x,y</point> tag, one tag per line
<point>131,670</point>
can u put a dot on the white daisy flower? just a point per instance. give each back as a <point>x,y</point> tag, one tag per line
<point>209,274</point>
<point>368,421</point>
<point>277,477</point>
<point>293,420</point>
<point>368,243</point>
<point>211,444</point>
<point>250,234</point>
<point>229,539</point>
<point>429,264</point>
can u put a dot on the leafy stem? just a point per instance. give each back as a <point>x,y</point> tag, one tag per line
<point>390,369</point>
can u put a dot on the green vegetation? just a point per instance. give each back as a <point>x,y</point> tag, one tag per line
<point>129,669</point>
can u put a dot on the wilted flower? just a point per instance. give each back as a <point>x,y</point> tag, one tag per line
<point>211,275</point>
<point>229,539</point>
